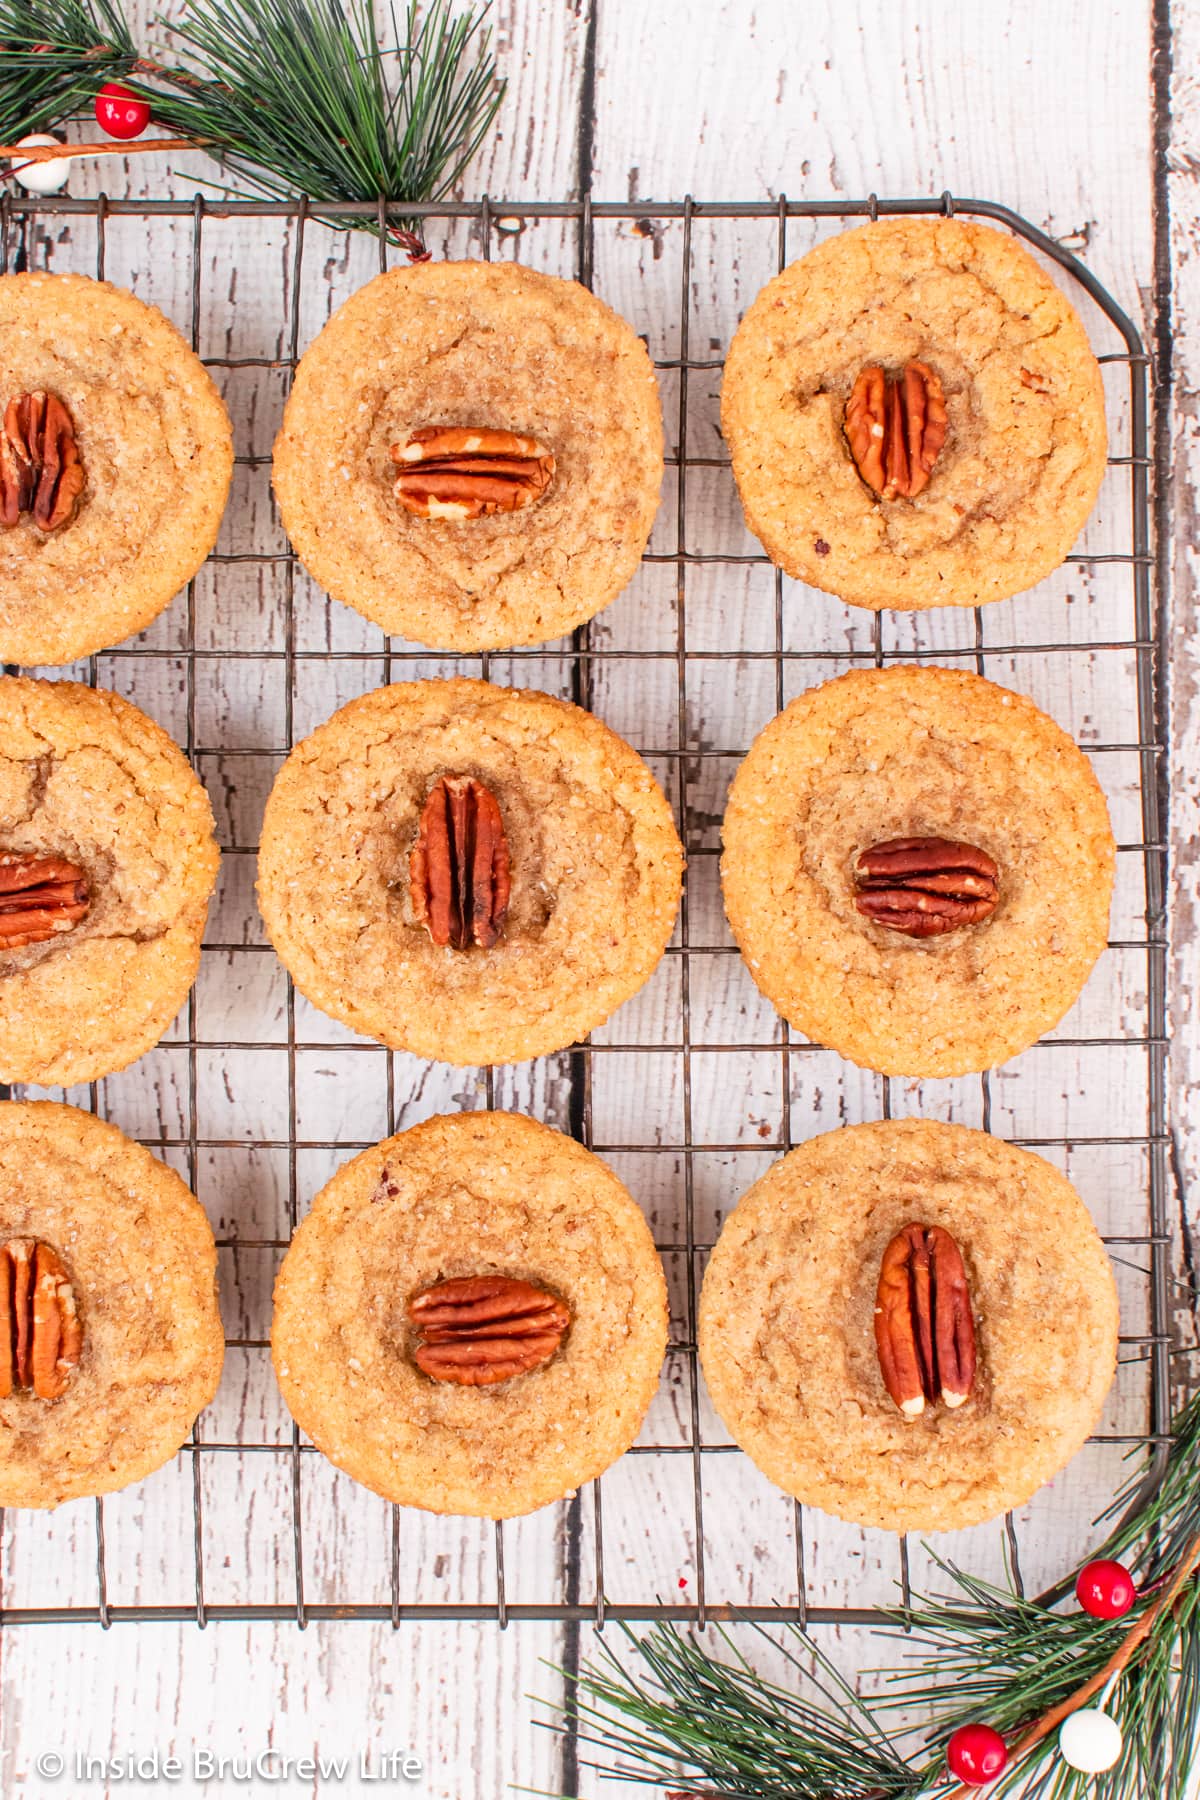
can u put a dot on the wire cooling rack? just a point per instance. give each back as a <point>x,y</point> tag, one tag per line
<point>694,1088</point>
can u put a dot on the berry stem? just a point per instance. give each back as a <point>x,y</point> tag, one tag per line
<point>39,153</point>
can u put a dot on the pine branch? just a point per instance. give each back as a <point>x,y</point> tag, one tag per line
<point>298,97</point>
<point>744,1738</point>
<point>1024,1666</point>
<point>292,96</point>
<point>54,54</point>
<point>1020,1664</point>
<point>1120,1658</point>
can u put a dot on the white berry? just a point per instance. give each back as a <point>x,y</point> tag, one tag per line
<point>41,177</point>
<point>1090,1741</point>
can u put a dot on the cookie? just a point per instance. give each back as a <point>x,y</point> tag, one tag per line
<point>915,416</point>
<point>442,1250</point>
<point>918,868</point>
<point>101,1383</point>
<point>472,454</point>
<point>107,862</point>
<point>473,873</point>
<point>102,387</point>
<point>788,1325</point>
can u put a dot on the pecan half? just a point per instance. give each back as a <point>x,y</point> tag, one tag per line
<point>924,1327</point>
<point>480,1329</point>
<point>896,426</point>
<point>468,472</point>
<point>41,1335</point>
<point>40,470</point>
<point>459,870</point>
<point>41,897</point>
<point>926,887</point>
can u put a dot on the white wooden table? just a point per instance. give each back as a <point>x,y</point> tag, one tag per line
<point>1047,105</point>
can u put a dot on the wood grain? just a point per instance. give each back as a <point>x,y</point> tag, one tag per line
<point>719,101</point>
<point>1179,341</point>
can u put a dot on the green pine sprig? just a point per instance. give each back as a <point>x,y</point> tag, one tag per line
<point>1013,1661</point>
<point>744,1737</point>
<point>303,98</point>
<point>291,96</point>
<point>984,1653</point>
<point>54,54</point>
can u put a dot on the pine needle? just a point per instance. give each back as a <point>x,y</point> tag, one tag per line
<point>302,98</point>
<point>54,54</point>
<point>293,96</point>
<point>742,1737</point>
<point>983,1653</point>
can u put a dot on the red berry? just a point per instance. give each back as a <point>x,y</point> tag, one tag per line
<point>1105,1589</point>
<point>976,1754</point>
<point>120,112</point>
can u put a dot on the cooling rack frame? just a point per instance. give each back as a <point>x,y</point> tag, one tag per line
<point>495,220</point>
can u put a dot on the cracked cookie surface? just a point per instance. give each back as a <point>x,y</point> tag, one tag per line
<point>786,1325</point>
<point>84,775</point>
<point>140,1257</point>
<point>879,755</point>
<point>596,868</point>
<point>463,1195</point>
<point>472,344</point>
<point>157,454</point>
<point>1026,442</point>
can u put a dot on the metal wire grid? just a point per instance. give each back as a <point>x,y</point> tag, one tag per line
<point>1150,1347</point>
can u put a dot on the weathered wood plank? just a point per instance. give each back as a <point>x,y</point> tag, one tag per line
<point>913,97</point>
<point>1178,517</point>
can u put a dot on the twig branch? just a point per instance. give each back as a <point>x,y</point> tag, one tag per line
<point>39,153</point>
